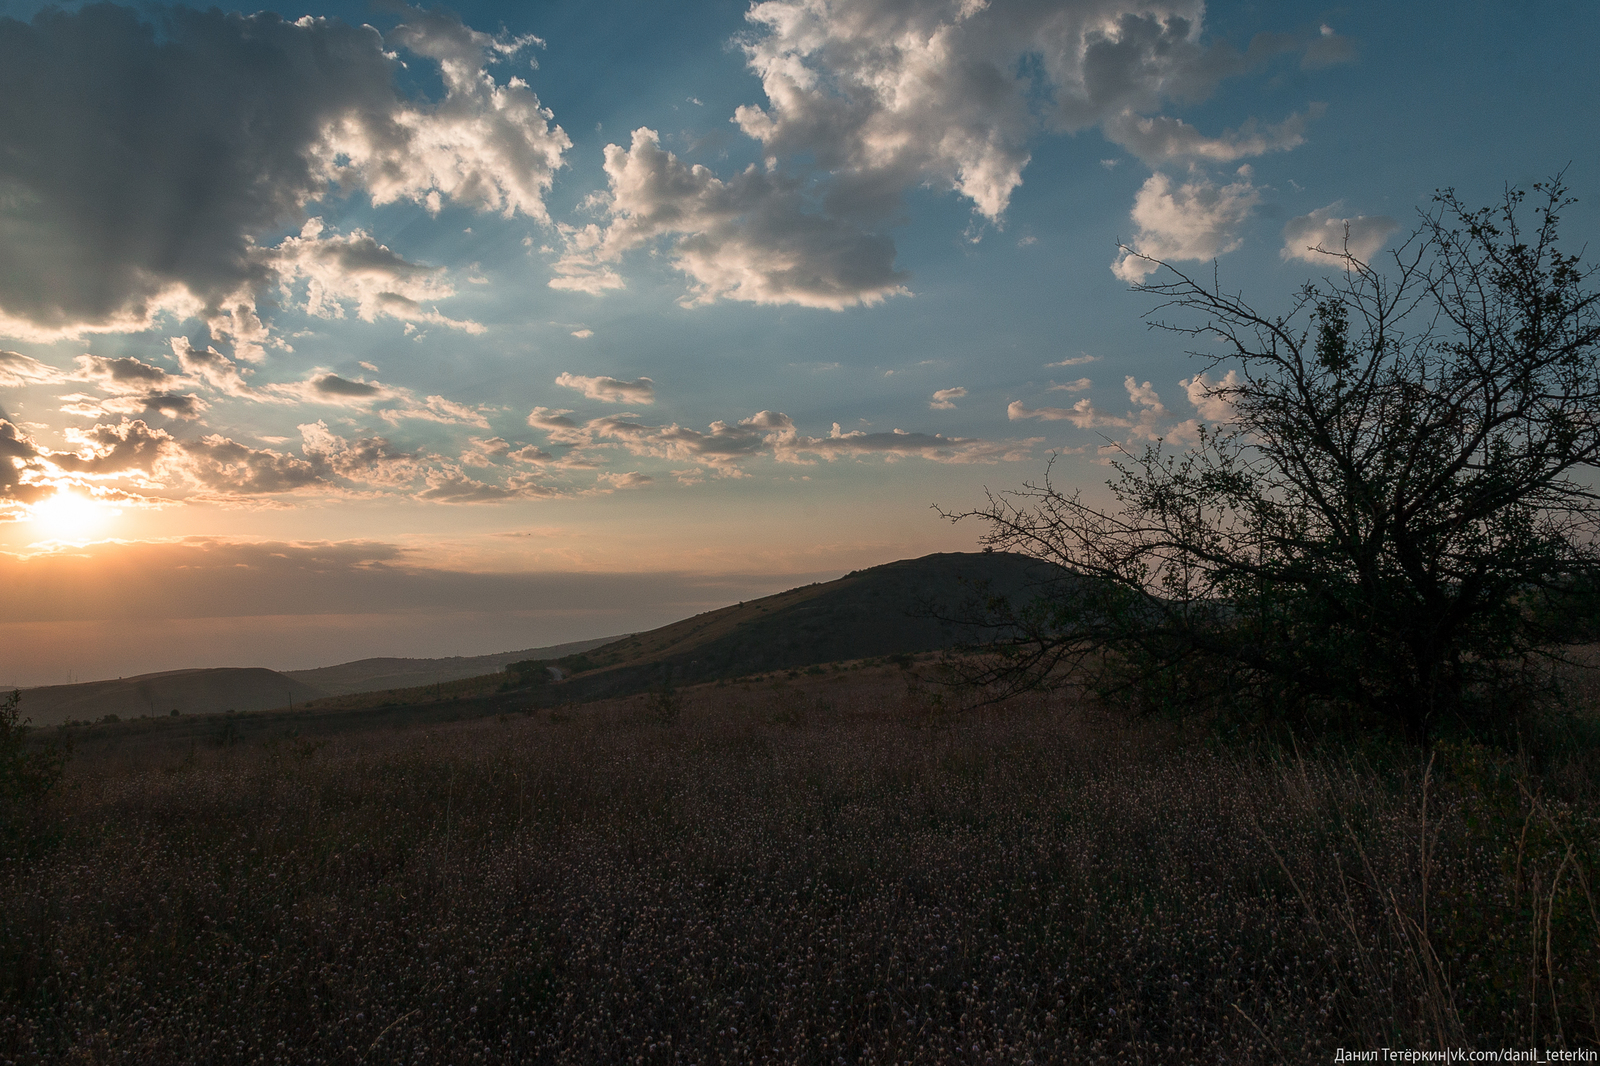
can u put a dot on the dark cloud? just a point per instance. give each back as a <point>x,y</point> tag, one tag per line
<point>229,468</point>
<point>186,407</point>
<point>334,385</point>
<point>143,152</point>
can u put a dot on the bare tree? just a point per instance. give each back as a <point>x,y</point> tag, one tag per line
<point>1381,523</point>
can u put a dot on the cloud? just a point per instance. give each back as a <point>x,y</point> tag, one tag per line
<point>1072,386</point>
<point>865,99</point>
<point>125,374</point>
<point>888,95</point>
<point>612,390</point>
<point>749,238</point>
<point>1195,220</point>
<point>125,213</point>
<point>560,428</point>
<point>773,434</point>
<point>17,370</point>
<point>355,268</point>
<point>1077,360</point>
<point>629,480</point>
<point>226,468</point>
<point>944,399</point>
<point>1322,235</point>
<point>213,369</point>
<point>1211,398</point>
<point>1161,140</point>
<point>1151,422</point>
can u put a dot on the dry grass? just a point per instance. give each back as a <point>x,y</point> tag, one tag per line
<point>827,869</point>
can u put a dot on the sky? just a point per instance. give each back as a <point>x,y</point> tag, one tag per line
<point>350,330</point>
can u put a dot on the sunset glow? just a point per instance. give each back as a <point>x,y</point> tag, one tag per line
<point>402,306</point>
<point>72,517</point>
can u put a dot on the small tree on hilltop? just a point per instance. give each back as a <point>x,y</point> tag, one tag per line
<point>1386,519</point>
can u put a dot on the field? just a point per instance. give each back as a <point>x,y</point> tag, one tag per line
<point>835,866</point>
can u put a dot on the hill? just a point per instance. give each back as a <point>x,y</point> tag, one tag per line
<point>368,675</point>
<point>186,691</point>
<point>898,608</point>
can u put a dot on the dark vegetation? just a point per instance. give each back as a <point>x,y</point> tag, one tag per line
<point>846,865</point>
<point>1392,527</point>
<point>905,607</point>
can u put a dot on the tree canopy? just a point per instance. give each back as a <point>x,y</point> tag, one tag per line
<point>1392,517</point>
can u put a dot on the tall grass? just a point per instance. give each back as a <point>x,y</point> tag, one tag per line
<point>822,870</point>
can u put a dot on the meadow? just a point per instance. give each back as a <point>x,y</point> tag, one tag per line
<point>841,865</point>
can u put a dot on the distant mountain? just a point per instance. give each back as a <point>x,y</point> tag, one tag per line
<point>368,675</point>
<point>257,689</point>
<point>186,691</point>
<point>898,608</point>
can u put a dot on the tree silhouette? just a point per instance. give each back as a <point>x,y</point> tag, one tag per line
<point>1390,521</point>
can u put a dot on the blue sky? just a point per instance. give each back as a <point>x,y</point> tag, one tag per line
<point>698,301</point>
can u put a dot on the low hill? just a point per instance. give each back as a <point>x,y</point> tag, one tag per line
<point>898,608</point>
<point>368,675</point>
<point>186,691</point>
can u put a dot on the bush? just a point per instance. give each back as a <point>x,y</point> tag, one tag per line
<point>28,773</point>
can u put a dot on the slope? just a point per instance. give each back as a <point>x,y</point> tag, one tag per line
<point>368,675</point>
<point>896,608</point>
<point>186,691</point>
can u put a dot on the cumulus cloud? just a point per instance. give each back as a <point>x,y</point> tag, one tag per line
<point>944,399</point>
<point>127,212</point>
<point>1323,234</point>
<point>560,428</point>
<point>354,268</point>
<point>865,99</point>
<point>1152,421</point>
<point>612,390</point>
<point>749,238</point>
<point>1212,398</point>
<point>1195,220</point>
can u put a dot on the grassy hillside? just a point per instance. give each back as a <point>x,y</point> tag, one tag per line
<point>837,867</point>
<point>886,610</point>
<point>184,691</point>
<point>370,675</point>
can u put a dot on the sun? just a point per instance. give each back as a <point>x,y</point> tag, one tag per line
<point>70,516</point>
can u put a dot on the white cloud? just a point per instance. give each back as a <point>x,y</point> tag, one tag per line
<point>1160,139</point>
<point>944,399</point>
<point>1195,220</point>
<point>125,214</point>
<point>748,239</point>
<point>632,479</point>
<point>865,99</point>
<point>355,268</point>
<point>1323,234</point>
<point>1151,422</point>
<point>17,370</point>
<point>612,390</point>
<point>1077,360</point>
<point>1072,386</point>
<point>888,94</point>
<point>487,144</point>
<point>1211,398</point>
